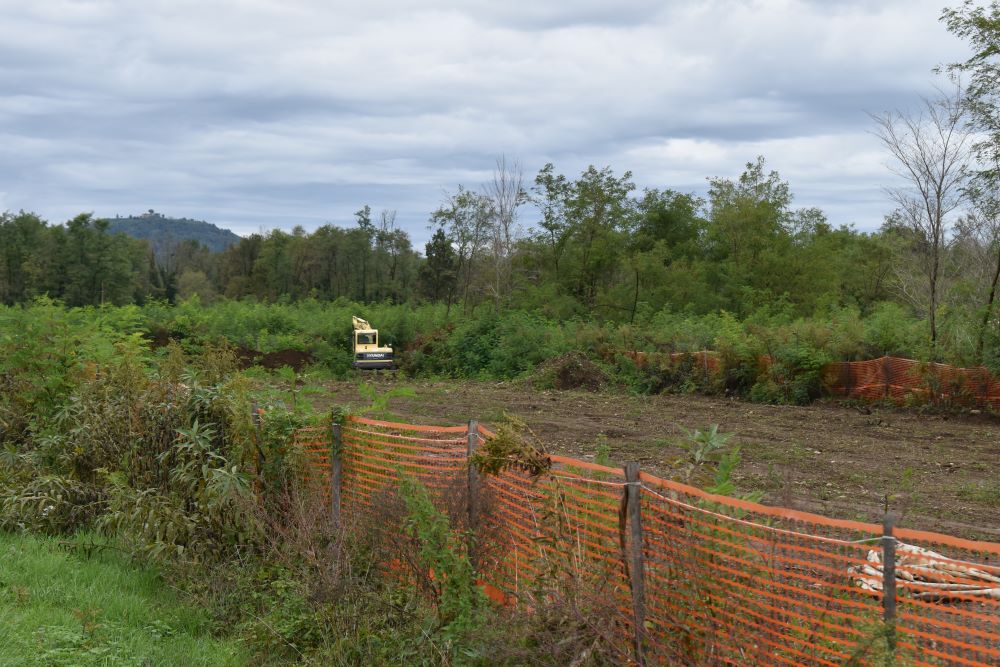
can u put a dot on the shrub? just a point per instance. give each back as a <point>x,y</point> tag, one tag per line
<point>890,329</point>
<point>794,375</point>
<point>741,356</point>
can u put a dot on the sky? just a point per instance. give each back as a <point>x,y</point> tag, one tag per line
<point>261,114</point>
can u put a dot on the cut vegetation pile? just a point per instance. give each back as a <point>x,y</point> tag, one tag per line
<point>572,370</point>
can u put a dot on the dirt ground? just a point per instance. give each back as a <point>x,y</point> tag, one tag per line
<point>942,472</point>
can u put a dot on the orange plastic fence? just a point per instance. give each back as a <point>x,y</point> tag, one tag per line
<point>895,378</point>
<point>727,581</point>
<point>886,378</point>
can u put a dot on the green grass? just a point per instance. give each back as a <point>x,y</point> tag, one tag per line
<point>60,608</point>
<point>987,493</point>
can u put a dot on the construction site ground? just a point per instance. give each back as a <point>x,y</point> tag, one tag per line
<point>940,471</point>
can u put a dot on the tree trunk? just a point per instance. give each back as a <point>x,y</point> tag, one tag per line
<point>932,315</point>
<point>635,299</point>
<point>989,310</point>
<point>935,262</point>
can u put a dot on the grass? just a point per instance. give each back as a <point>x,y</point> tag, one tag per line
<point>987,493</point>
<point>60,608</point>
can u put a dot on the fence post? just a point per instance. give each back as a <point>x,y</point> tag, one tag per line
<point>889,579</point>
<point>472,487</point>
<point>258,452</point>
<point>637,569</point>
<point>885,375</point>
<point>847,378</point>
<point>336,472</point>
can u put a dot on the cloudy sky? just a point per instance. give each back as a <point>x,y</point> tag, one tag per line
<point>256,114</point>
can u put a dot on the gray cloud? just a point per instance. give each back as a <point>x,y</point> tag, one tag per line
<point>261,113</point>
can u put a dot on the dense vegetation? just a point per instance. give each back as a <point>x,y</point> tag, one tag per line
<point>156,455</point>
<point>600,253</point>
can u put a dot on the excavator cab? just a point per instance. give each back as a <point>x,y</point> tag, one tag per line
<point>367,352</point>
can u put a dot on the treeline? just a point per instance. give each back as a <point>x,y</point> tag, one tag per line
<point>590,247</point>
<point>79,263</point>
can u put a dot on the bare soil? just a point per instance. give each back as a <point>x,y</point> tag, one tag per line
<point>941,471</point>
<point>294,358</point>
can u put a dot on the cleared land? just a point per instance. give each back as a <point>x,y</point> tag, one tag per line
<point>941,471</point>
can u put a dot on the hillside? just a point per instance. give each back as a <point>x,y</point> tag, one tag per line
<point>165,233</point>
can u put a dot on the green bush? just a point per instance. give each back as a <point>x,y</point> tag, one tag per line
<point>741,356</point>
<point>794,376</point>
<point>891,330</point>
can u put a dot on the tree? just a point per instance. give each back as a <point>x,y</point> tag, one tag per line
<point>236,266</point>
<point>506,194</point>
<point>193,282</point>
<point>930,154</point>
<point>746,215</point>
<point>586,225</point>
<point>366,231</point>
<point>20,239</point>
<point>981,228</point>
<point>981,27</point>
<point>465,219</point>
<point>748,236</point>
<point>672,217</point>
<point>550,194</point>
<point>601,214</point>
<point>438,274</point>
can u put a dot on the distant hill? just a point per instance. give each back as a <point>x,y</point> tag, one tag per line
<point>165,233</point>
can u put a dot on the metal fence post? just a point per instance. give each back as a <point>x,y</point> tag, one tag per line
<point>472,487</point>
<point>889,579</point>
<point>637,570</point>
<point>336,472</point>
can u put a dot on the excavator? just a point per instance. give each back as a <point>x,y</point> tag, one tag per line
<point>367,353</point>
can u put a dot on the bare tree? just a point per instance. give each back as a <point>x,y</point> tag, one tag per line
<point>506,194</point>
<point>930,151</point>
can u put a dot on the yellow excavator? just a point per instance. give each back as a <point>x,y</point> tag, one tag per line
<point>367,353</point>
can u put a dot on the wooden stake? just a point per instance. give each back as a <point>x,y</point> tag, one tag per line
<point>336,472</point>
<point>472,487</point>
<point>637,570</point>
<point>889,579</point>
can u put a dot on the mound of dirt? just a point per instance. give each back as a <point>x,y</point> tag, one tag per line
<point>245,356</point>
<point>572,370</point>
<point>294,358</point>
